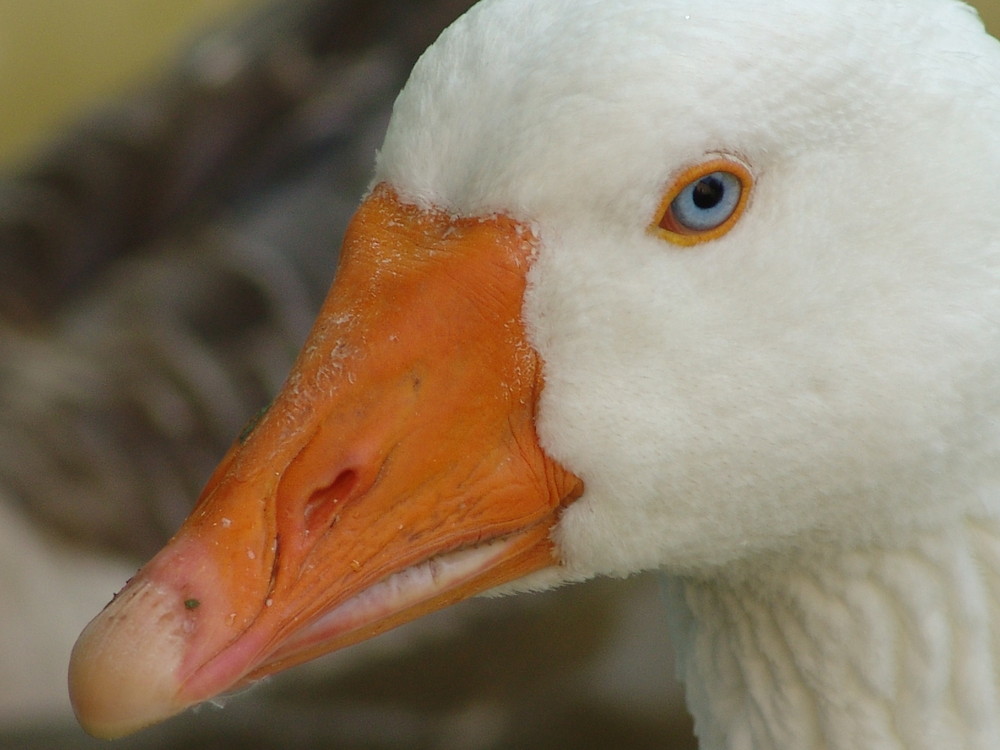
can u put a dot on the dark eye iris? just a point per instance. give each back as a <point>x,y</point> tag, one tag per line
<point>705,203</point>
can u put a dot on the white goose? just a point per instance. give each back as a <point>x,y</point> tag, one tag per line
<point>753,247</point>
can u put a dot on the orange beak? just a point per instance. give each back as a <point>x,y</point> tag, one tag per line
<point>396,473</point>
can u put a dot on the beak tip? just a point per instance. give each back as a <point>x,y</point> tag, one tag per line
<point>122,672</point>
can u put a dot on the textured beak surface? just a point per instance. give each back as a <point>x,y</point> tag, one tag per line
<point>397,472</point>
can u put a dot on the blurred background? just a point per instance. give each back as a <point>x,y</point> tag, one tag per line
<point>174,179</point>
<point>59,58</point>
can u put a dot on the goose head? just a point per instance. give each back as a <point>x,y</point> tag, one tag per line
<point>639,284</point>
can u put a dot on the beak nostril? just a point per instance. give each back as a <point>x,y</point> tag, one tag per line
<point>322,508</point>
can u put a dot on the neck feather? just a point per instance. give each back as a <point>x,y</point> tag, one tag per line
<point>878,649</point>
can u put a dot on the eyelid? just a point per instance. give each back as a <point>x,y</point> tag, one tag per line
<point>688,176</point>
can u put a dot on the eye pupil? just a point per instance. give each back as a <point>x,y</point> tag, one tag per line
<point>708,192</point>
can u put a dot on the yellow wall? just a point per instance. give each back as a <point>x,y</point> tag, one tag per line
<point>990,10</point>
<point>59,56</point>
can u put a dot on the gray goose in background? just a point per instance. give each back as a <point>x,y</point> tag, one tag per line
<point>159,268</point>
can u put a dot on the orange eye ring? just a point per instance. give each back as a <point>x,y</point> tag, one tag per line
<point>708,188</point>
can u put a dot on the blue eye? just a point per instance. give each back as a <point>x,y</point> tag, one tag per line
<point>704,202</point>
<point>707,202</point>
